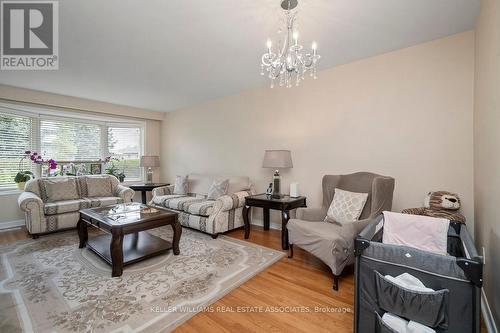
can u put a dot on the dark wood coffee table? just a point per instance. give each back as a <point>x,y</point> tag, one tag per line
<point>125,240</point>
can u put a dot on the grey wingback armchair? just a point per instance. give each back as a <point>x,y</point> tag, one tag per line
<point>331,242</point>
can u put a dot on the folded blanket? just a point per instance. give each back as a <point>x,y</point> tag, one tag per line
<point>398,324</point>
<point>401,325</point>
<point>421,232</point>
<point>414,327</point>
<point>408,281</point>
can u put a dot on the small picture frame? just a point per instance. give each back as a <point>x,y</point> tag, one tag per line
<point>95,168</point>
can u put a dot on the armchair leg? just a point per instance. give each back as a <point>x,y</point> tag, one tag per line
<point>290,251</point>
<point>35,236</point>
<point>214,236</point>
<point>336,282</point>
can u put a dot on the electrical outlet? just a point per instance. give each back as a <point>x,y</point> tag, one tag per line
<point>484,256</point>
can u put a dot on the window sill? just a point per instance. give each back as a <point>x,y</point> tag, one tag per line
<point>12,191</point>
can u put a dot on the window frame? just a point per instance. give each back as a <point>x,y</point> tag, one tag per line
<point>141,144</point>
<point>61,114</point>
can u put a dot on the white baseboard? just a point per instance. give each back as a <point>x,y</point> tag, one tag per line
<point>11,224</point>
<point>489,322</point>
<point>260,223</point>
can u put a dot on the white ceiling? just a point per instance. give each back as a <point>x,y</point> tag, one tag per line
<point>168,54</point>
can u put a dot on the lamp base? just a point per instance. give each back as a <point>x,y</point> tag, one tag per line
<point>276,184</point>
<point>149,176</point>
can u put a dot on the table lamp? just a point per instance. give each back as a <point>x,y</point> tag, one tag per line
<point>150,162</point>
<point>277,159</point>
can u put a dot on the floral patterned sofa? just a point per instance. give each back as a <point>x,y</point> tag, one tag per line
<point>197,212</point>
<point>53,203</point>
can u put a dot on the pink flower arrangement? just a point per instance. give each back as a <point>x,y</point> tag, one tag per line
<point>37,159</point>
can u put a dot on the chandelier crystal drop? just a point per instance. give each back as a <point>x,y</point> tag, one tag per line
<point>287,64</point>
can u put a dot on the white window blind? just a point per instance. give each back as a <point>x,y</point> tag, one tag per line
<point>70,140</point>
<point>124,143</point>
<point>15,138</point>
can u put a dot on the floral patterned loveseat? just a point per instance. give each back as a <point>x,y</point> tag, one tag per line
<point>53,203</point>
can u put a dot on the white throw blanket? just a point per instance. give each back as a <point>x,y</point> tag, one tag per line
<point>401,325</point>
<point>421,232</point>
<point>408,281</point>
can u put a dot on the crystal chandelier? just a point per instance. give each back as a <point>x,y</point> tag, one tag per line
<point>290,62</point>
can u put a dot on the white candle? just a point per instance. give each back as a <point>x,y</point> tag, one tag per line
<point>314,47</point>
<point>296,37</point>
<point>269,45</point>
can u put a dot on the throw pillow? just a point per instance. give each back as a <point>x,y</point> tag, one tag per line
<point>218,189</point>
<point>60,189</point>
<point>99,186</point>
<point>181,185</point>
<point>346,206</point>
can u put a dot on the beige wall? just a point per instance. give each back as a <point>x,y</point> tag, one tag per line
<point>407,114</point>
<point>487,147</point>
<point>8,202</point>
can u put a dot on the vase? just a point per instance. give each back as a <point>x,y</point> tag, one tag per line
<point>21,185</point>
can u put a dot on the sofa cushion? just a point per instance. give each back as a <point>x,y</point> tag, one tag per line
<point>58,189</point>
<point>178,203</point>
<point>99,186</point>
<point>162,200</point>
<point>65,206</point>
<point>199,207</point>
<point>104,201</point>
<point>181,185</point>
<point>218,189</point>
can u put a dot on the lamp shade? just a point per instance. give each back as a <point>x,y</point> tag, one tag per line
<point>277,159</point>
<point>150,161</point>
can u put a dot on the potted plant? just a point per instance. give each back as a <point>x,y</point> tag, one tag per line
<point>22,177</point>
<point>112,169</point>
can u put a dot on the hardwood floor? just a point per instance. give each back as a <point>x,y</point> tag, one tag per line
<point>301,283</point>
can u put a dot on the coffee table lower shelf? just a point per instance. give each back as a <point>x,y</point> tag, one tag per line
<point>136,247</point>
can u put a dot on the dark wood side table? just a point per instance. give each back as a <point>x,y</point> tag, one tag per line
<point>143,188</point>
<point>267,202</point>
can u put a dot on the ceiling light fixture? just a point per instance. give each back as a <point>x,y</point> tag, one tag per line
<point>290,63</point>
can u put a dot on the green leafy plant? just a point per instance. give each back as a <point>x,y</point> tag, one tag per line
<point>23,176</point>
<point>112,169</point>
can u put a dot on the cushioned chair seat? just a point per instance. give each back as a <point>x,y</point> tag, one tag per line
<point>199,207</point>
<point>104,201</point>
<point>65,206</point>
<point>330,242</point>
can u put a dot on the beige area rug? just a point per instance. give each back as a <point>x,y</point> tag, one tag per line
<point>50,285</point>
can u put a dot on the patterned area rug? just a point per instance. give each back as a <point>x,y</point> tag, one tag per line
<point>50,285</point>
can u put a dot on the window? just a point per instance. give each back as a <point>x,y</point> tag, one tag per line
<point>70,141</point>
<point>66,139</point>
<point>124,144</point>
<point>15,138</point>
